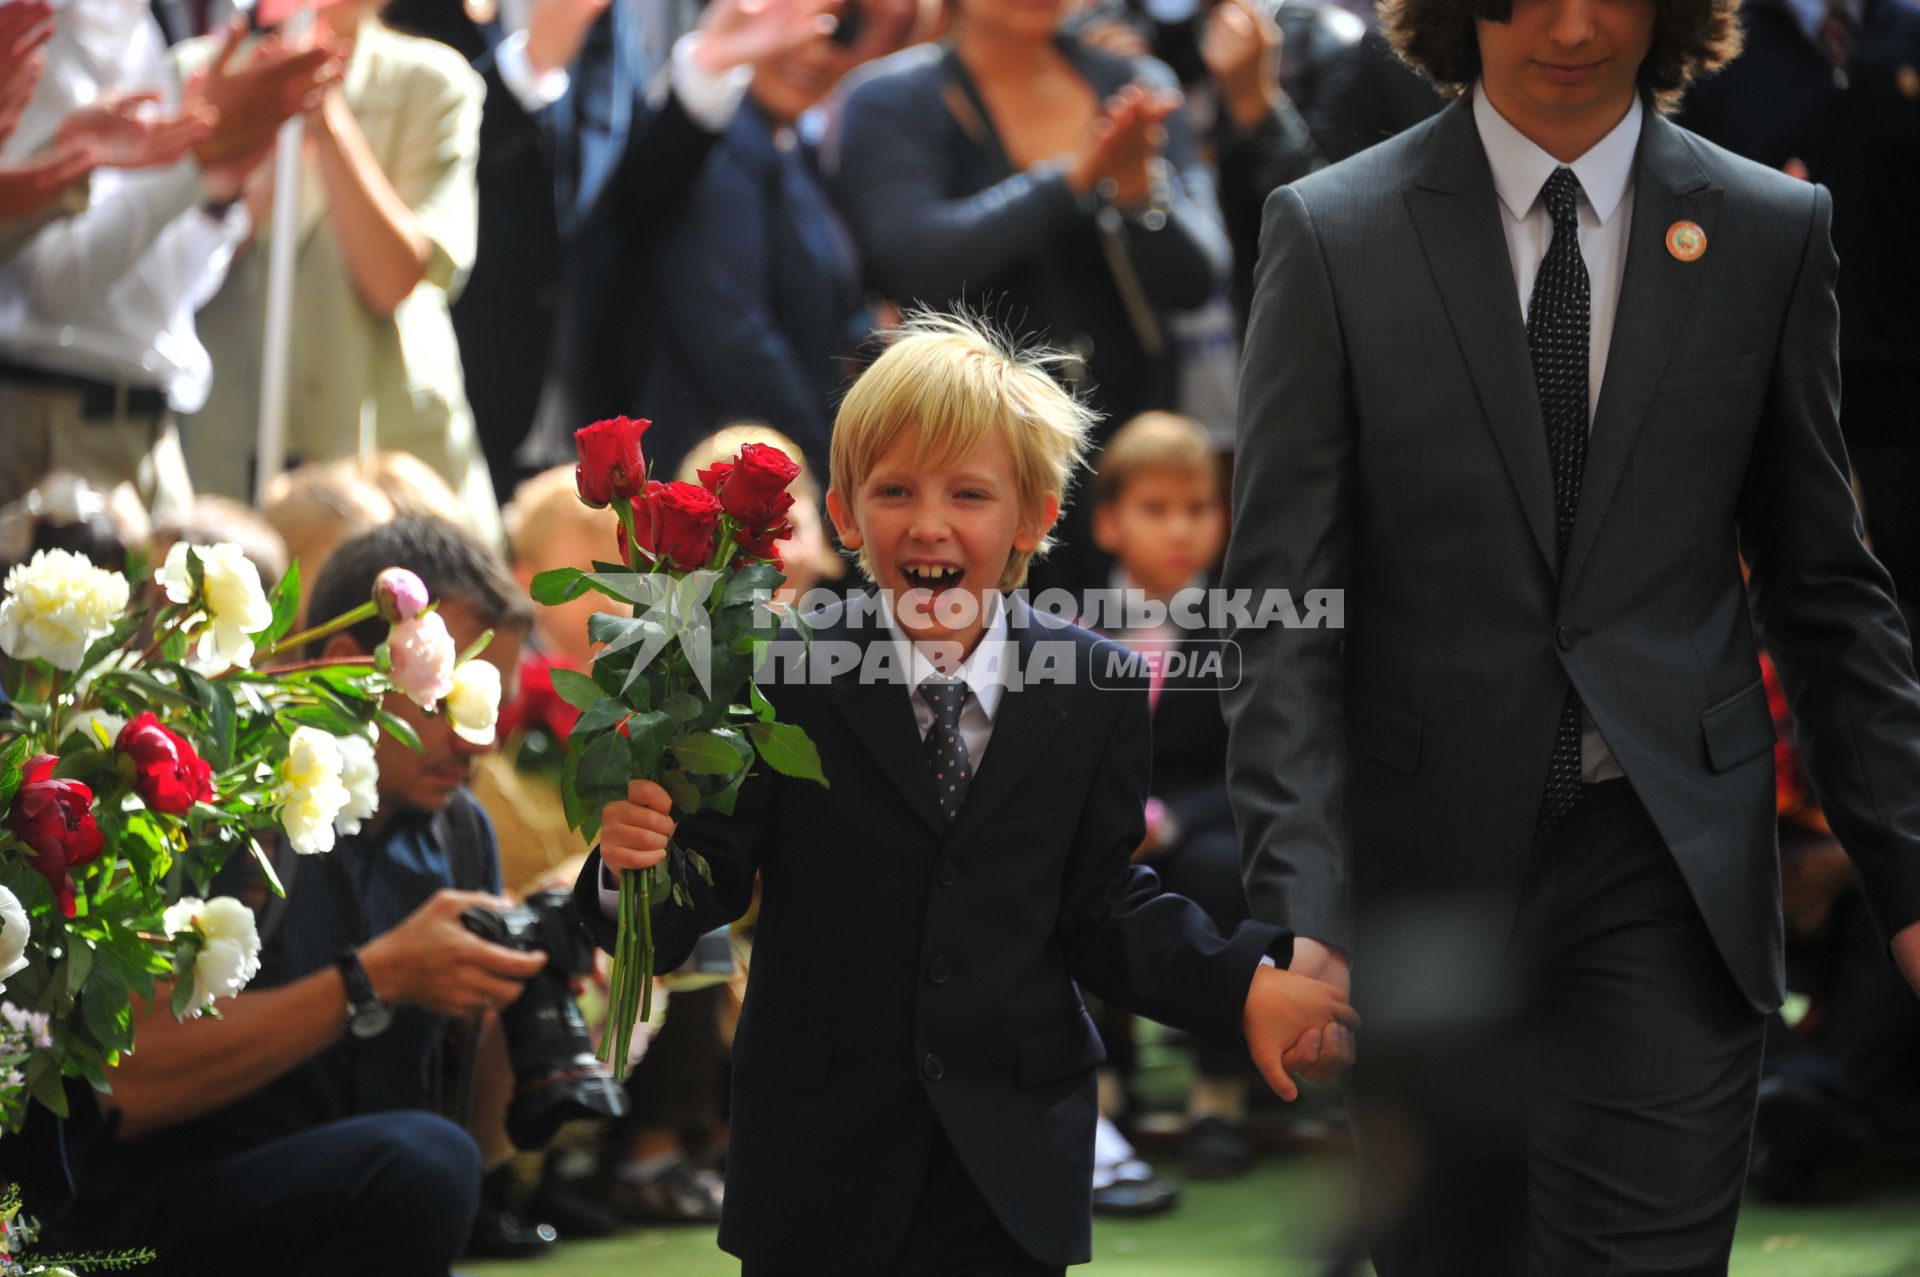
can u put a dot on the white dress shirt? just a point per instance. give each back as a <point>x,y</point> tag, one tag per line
<point>1605,210</point>
<point>110,293</point>
<point>984,671</point>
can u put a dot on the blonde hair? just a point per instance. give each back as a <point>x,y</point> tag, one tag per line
<point>544,500</point>
<point>725,443</point>
<point>1155,441</point>
<point>414,487</point>
<point>954,382</point>
<point>319,505</point>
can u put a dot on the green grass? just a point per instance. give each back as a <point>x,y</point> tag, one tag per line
<point>1276,1222</point>
<point>1271,1223</point>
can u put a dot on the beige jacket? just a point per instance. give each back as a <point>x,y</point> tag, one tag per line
<point>418,103</point>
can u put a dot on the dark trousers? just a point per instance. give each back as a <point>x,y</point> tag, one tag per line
<point>954,1232</point>
<point>1575,1097</point>
<point>390,1193</point>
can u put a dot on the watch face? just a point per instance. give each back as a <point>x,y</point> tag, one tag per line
<point>371,1019</point>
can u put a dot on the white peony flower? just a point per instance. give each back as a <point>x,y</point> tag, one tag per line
<point>361,776</point>
<point>310,795</point>
<point>14,933</point>
<point>229,945</point>
<point>87,720</point>
<point>56,606</point>
<point>236,605</point>
<point>474,703</point>
<point>420,657</point>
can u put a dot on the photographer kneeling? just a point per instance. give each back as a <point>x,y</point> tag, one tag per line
<point>301,1132</point>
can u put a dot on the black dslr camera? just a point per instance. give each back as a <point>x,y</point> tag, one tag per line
<point>556,1076</point>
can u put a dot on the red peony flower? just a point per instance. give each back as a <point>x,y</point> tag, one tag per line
<point>683,518</point>
<point>537,703</point>
<point>754,488</point>
<point>54,818</point>
<point>168,775</point>
<point>611,466</point>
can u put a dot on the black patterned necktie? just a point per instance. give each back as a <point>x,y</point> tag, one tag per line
<point>946,748</point>
<point>1558,320</point>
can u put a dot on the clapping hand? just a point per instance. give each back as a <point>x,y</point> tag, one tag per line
<point>1282,1008</point>
<point>121,131</point>
<point>25,25</point>
<point>736,33</point>
<point>1127,137</point>
<point>556,29</point>
<point>1241,47</point>
<point>250,99</point>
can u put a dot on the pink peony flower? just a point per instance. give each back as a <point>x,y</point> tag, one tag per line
<point>399,595</point>
<point>420,654</point>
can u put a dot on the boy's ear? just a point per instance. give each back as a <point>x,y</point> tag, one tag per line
<point>1031,530</point>
<point>843,521</point>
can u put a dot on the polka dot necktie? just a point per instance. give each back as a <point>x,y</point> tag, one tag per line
<point>1557,324</point>
<point>946,749</point>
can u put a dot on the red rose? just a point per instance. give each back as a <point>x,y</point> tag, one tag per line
<point>754,489</point>
<point>611,466</point>
<point>168,775</point>
<point>683,518</point>
<point>714,475</point>
<point>55,819</point>
<point>762,545</point>
<point>642,523</point>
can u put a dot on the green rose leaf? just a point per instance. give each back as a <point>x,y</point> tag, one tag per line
<point>686,799</point>
<point>604,713</point>
<point>604,770</point>
<point>561,585</point>
<point>575,688</point>
<point>705,754</point>
<point>788,750</point>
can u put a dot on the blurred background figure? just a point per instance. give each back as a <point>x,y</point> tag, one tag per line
<point>388,210</point>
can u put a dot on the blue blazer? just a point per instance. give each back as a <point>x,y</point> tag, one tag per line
<point>909,973</point>
<point>764,284</point>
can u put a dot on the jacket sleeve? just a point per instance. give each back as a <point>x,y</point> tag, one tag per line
<point>1293,494</point>
<point>1824,605</point>
<point>919,243</point>
<point>1253,162</point>
<point>716,261</point>
<point>1131,943</point>
<point>732,846</point>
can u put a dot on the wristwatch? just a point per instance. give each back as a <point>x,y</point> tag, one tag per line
<point>367,1015</point>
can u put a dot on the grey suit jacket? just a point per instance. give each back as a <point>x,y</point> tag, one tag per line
<point>1391,445</point>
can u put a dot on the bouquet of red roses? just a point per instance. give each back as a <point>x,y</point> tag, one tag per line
<point>699,563</point>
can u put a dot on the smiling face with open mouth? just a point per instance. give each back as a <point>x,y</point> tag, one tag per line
<point>939,537</point>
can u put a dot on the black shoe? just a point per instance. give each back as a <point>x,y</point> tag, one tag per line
<point>500,1234</point>
<point>1217,1149</point>
<point>1799,1129</point>
<point>569,1212</point>
<point>682,1194</point>
<point>1134,1191</point>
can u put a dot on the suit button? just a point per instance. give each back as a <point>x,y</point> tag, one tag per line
<point>932,1069</point>
<point>938,970</point>
<point>1565,637</point>
<point>948,873</point>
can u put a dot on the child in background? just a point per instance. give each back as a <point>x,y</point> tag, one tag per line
<point>807,556</point>
<point>914,1070</point>
<point>318,507</point>
<point>1160,511</point>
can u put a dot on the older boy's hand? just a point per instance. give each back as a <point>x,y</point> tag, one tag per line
<point>634,833</point>
<point>1282,1007</point>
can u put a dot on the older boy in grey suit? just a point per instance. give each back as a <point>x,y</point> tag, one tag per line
<point>1528,382</point>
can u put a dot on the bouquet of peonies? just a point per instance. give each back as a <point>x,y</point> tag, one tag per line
<point>699,566</point>
<point>140,748</point>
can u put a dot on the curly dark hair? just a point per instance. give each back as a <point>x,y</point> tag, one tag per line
<point>1437,38</point>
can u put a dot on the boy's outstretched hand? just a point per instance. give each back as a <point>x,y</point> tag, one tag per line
<point>634,833</point>
<point>1281,1007</point>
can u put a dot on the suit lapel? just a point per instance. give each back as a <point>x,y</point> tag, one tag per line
<point>1457,215</point>
<point>1656,295</point>
<point>1029,715</point>
<point>881,718</point>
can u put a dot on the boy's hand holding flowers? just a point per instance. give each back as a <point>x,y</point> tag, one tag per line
<point>634,833</point>
<point>1282,1007</point>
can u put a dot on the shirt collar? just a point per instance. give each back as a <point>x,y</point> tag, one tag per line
<point>1521,168</point>
<point>984,670</point>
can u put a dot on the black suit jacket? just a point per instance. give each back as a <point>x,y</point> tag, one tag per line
<point>906,973</point>
<point>1391,446</point>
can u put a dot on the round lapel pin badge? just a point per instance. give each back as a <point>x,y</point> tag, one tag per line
<point>1686,241</point>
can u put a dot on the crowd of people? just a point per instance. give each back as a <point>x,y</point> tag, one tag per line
<point>514,217</point>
